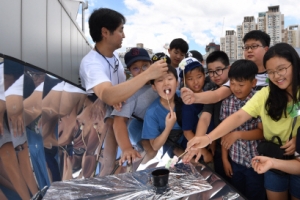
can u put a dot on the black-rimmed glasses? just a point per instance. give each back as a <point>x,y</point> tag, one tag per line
<point>218,72</point>
<point>252,47</point>
<point>281,71</point>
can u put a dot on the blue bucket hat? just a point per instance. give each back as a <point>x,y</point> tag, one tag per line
<point>188,64</point>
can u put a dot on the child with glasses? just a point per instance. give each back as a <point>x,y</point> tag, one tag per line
<point>137,61</point>
<point>256,43</point>
<point>218,65</point>
<point>276,105</point>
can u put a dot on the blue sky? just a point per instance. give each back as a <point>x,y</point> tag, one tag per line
<point>156,22</point>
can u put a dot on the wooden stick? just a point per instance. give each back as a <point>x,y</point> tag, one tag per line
<point>182,154</point>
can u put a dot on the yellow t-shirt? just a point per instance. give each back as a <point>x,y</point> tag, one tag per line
<point>282,128</point>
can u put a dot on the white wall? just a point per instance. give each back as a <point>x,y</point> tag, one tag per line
<point>42,33</point>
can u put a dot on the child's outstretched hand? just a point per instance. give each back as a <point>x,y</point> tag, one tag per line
<point>170,119</point>
<point>197,142</point>
<point>187,96</point>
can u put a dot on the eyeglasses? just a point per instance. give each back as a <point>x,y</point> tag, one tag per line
<point>281,71</point>
<point>136,69</point>
<point>252,47</point>
<point>218,72</point>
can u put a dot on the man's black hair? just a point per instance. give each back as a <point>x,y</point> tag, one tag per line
<point>242,70</point>
<point>104,17</point>
<point>171,70</point>
<point>180,44</point>
<point>258,35</point>
<point>220,56</point>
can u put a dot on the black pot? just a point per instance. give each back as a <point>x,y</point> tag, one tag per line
<point>160,177</point>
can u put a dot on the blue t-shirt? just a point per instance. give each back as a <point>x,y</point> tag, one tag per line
<point>190,116</point>
<point>154,120</point>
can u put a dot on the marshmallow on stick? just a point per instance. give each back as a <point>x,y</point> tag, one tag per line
<point>167,92</point>
<point>171,162</point>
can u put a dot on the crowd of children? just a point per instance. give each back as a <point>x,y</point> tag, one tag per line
<point>242,104</point>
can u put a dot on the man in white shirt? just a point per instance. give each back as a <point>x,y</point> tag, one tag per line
<point>102,73</point>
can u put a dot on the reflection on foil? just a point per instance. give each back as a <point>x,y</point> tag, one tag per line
<point>184,180</point>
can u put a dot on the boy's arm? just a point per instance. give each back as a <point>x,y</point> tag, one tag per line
<point>230,123</point>
<point>261,164</point>
<point>203,123</point>
<point>188,134</point>
<point>208,97</point>
<point>113,95</point>
<point>159,141</point>
<point>121,133</point>
<point>226,163</point>
<point>201,130</point>
<point>255,134</point>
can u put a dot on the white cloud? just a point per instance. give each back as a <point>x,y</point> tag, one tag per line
<point>156,22</point>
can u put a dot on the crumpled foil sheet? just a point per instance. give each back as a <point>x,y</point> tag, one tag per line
<point>184,180</point>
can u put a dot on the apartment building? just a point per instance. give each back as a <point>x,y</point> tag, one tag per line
<point>292,35</point>
<point>274,24</point>
<point>271,22</point>
<point>228,44</point>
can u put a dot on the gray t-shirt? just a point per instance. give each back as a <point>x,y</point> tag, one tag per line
<point>138,103</point>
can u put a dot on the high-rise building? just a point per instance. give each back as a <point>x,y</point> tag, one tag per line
<point>261,21</point>
<point>228,44</point>
<point>274,24</point>
<point>271,22</point>
<point>239,41</point>
<point>292,35</point>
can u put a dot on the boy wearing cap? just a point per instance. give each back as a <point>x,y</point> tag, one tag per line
<point>194,78</point>
<point>208,84</point>
<point>256,44</point>
<point>137,61</point>
<point>159,56</point>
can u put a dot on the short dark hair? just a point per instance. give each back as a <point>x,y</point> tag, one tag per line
<point>180,44</point>
<point>171,70</point>
<point>104,17</point>
<point>218,56</point>
<point>242,70</point>
<point>259,35</point>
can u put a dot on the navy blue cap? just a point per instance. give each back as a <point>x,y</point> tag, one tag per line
<point>188,64</point>
<point>136,54</point>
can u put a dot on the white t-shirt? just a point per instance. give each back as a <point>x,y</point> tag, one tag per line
<point>94,70</point>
